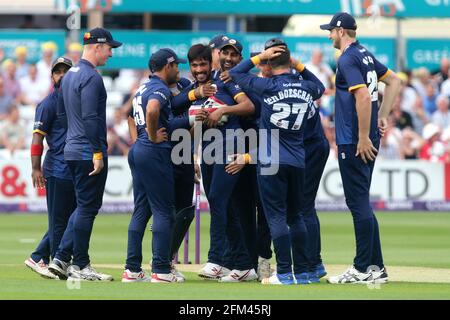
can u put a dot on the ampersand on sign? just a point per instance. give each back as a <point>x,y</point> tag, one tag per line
<point>9,186</point>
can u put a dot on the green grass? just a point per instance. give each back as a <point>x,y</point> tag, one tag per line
<point>409,239</point>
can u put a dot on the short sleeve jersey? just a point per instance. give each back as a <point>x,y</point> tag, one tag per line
<point>47,124</point>
<point>356,68</point>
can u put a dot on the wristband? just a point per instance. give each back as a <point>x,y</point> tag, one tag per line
<point>98,156</point>
<point>191,95</point>
<point>37,149</point>
<point>256,60</point>
<point>247,158</point>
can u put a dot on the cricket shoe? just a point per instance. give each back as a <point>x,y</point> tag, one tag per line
<point>351,276</point>
<point>176,273</point>
<point>59,268</point>
<point>212,271</point>
<point>379,276</point>
<point>302,278</point>
<point>313,278</point>
<point>163,278</point>
<point>240,276</point>
<point>264,270</point>
<point>130,276</point>
<point>279,279</point>
<point>88,273</point>
<point>320,271</point>
<point>40,268</point>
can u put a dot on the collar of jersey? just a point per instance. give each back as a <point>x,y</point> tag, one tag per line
<point>87,63</point>
<point>351,44</point>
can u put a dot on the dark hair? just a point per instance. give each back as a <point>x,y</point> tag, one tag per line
<point>283,60</point>
<point>200,51</point>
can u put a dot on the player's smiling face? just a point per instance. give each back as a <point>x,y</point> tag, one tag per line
<point>335,35</point>
<point>201,70</point>
<point>229,57</point>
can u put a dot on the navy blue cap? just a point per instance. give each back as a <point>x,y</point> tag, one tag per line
<point>232,43</point>
<point>340,20</point>
<point>100,35</point>
<point>274,42</point>
<point>162,57</point>
<point>62,60</point>
<point>217,41</point>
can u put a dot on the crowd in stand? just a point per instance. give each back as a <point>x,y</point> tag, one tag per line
<point>419,125</point>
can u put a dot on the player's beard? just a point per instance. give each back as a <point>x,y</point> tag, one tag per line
<point>204,77</point>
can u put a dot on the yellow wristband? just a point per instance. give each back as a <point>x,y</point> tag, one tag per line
<point>256,60</point>
<point>98,156</point>
<point>300,67</point>
<point>247,158</point>
<point>191,95</point>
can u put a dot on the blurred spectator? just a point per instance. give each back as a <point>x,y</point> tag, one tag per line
<point>12,133</point>
<point>6,101</point>
<point>433,149</point>
<point>12,86</point>
<point>44,66</point>
<point>320,69</point>
<point>441,116</point>
<point>445,87</point>
<point>409,94</point>
<point>74,52</point>
<point>127,103</point>
<point>401,118</point>
<point>2,55</point>
<point>442,74</point>
<point>21,62</point>
<point>33,90</point>
<point>120,125</point>
<point>421,78</point>
<point>419,116</point>
<point>390,142</point>
<point>429,102</point>
<point>116,145</point>
<point>410,144</point>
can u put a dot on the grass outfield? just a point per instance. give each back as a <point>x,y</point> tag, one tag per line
<point>419,240</point>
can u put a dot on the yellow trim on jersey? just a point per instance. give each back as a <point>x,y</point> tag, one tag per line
<point>385,75</point>
<point>300,67</point>
<point>237,95</point>
<point>191,95</point>
<point>356,87</point>
<point>40,132</point>
<point>256,60</point>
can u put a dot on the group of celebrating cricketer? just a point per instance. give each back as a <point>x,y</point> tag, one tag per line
<point>259,193</point>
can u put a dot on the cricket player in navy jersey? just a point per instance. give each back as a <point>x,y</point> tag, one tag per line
<point>215,44</point>
<point>285,101</point>
<point>54,175</point>
<point>183,183</point>
<point>152,170</point>
<point>85,152</point>
<point>218,184</point>
<point>359,122</point>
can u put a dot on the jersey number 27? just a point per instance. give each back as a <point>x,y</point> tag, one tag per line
<point>285,110</point>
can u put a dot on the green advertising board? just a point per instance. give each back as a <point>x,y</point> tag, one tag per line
<point>32,39</point>
<point>138,46</point>
<point>397,8</point>
<point>426,52</point>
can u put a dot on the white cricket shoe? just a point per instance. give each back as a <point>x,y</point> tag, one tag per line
<point>88,273</point>
<point>176,273</point>
<point>279,279</point>
<point>40,268</point>
<point>212,271</point>
<point>163,278</point>
<point>240,276</point>
<point>264,270</point>
<point>379,276</point>
<point>129,276</point>
<point>351,276</point>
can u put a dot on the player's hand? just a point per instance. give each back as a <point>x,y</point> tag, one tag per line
<point>366,150</point>
<point>98,166</point>
<point>382,126</point>
<point>202,115</point>
<point>238,162</point>
<point>271,53</point>
<point>38,179</point>
<point>214,117</point>
<point>197,173</point>
<point>161,136</point>
<point>206,90</point>
<point>225,76</point>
